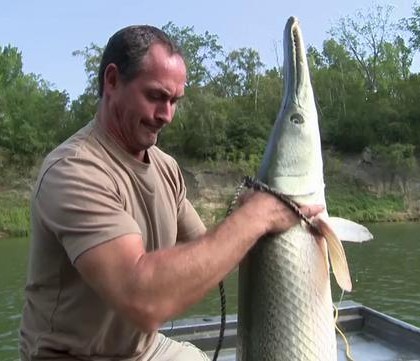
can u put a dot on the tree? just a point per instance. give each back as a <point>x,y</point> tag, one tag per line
<point>315,58</point>
<point>412,25</point>
<point>92,55</point>
<point>270,94</point>
<point>82,110</point>
<point>364,36</point>
<point>32,115</point>
<point>200,51</point>
<point>10,65</point>
<point>238,74</point>
<point>399,163</point>
<point>30,111</point>
<point>199,127</point>
<point>406,101</point>
<point>395,63</point>
<point>338,88</point>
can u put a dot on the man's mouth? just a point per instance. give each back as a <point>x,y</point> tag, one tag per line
<point>152,128</point>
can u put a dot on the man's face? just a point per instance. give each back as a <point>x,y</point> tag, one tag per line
<point>140,108</point>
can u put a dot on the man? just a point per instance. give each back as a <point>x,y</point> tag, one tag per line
<point>107,211</point>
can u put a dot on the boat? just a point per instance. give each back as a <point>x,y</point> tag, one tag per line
<point>371,335</point>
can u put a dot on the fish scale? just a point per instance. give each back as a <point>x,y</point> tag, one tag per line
<point>299,331</point>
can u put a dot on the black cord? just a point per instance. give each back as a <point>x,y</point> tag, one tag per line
<point>222,287</point>
<point>222,320</point>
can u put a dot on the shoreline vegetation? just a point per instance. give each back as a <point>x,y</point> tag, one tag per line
<point>366,97</point>
<point>211,186</point>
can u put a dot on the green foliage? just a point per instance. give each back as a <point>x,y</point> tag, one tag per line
<point>238,74</point>
<point>198,130</point>
<point>200,51</point>
<point>395,63</point>
<point>30,111</point>
<point>398,157</point>
<point>10,65</point>
<point>365,94</point>
<point>82,110</point>
<point>14,214</point>
<point>348,200</point>
<point>412,24</point>
<point>92,55</point>
<point>364,35</point>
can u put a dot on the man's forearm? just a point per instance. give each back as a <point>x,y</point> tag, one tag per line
<point>168,281</point>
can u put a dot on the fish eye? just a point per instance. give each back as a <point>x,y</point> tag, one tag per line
<point>297,118</point>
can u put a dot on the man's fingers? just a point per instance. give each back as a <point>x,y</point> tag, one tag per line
<point>313,210</point>
<point>245,196</point>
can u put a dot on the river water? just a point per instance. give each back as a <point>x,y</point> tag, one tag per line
<point>385,273</point>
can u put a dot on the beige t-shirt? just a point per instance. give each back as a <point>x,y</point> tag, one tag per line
<point>90,191</point>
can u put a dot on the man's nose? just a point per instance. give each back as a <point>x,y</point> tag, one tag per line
<point>165,112</point>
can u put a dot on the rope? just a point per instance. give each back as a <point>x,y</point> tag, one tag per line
<point>257,185</point>
<point>348,353</point>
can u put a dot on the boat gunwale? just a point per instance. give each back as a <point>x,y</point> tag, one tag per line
<point>353,317</point>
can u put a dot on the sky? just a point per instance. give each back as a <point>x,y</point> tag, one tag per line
<point>47,32</point>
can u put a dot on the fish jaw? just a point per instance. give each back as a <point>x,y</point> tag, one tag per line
<point>296,69</point>
<point>292,162</point>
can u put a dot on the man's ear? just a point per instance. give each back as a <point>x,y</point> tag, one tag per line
<point>111,78</point>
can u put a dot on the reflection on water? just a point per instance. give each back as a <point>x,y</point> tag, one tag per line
<point>13,254</point>
<point>385,273</point>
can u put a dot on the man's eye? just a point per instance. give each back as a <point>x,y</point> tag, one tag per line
<point>155,96</point>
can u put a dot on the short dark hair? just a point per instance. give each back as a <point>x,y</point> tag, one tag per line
<point>127,48</point>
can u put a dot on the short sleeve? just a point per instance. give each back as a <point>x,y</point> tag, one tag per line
<point>78,201</point>
<point>190,225</point>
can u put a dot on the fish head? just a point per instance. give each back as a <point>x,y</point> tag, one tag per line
<point>292,162</point>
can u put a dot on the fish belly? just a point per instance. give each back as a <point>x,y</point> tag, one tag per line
<point>285,308</point>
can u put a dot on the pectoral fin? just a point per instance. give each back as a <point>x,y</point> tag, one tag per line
<point>336,254</point>
<point>349,231</point>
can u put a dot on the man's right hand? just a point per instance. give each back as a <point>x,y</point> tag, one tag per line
<point>279,217</point>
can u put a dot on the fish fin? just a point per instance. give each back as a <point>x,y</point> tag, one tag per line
<point>336,253</point>
<point>322,244</point>
<point>348,230</point>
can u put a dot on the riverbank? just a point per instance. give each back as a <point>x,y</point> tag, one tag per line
<point>352,192</point>
<point>14,213</point>
<point>211,192</point>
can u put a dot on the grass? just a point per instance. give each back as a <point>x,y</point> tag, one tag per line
<point>349,200</point>
<point>14,213</point>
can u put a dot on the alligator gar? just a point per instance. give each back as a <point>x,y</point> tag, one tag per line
<point>285,309</point>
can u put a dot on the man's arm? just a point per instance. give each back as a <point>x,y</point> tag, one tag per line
<point>151,288</point>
